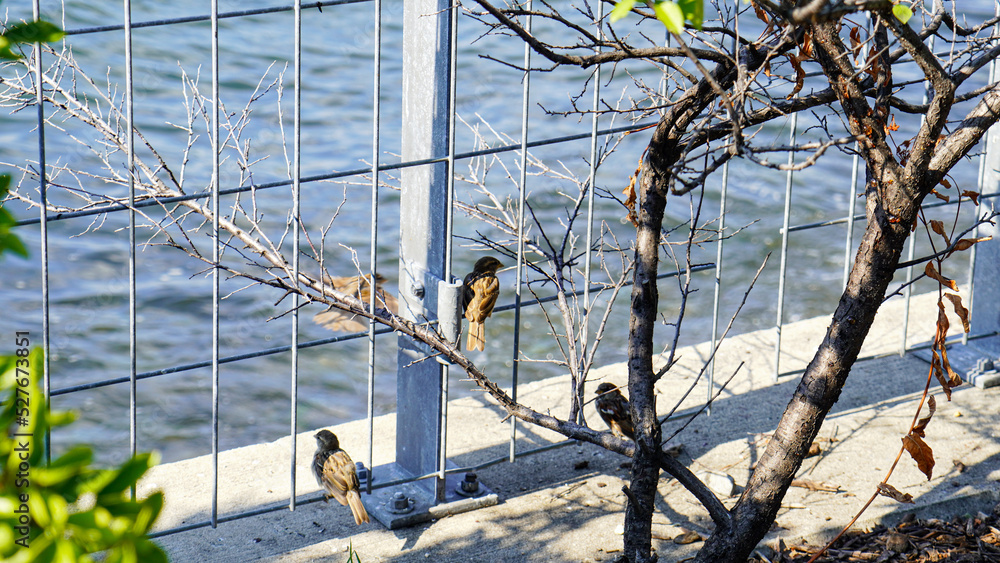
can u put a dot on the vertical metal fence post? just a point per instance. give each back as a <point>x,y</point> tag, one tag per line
<point>987,162</point>
<point>519,267</point>
<point>591,188</point>
<point>784,251</point>
<point>296,233</point>
<point>423,203</point>
<point>449,223</point>
<point>215,260</point>
<point>719,246</point>
<point>130,149</point>
<point>44,226</point>
<point>373,240</point>
<point>717,295</point>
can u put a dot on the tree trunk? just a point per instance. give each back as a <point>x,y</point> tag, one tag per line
<point>650,204</point>
<point>824,378</point>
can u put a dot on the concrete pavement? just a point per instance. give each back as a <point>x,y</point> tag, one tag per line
<point>567,505</point>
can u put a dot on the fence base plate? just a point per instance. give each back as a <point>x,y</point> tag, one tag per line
<point>409,504</point>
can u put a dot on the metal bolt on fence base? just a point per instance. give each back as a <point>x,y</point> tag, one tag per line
<point>410,504</point>
<point>469,487</point>
<point>400,504</point>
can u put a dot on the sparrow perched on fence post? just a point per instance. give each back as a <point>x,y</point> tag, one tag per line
<point>480,295</point>
<point>613,408</point>
<point>336,473</point>
<point>359,287</point>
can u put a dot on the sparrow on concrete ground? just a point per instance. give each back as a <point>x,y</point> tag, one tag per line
<point>613,408</point>
<point>480,295</point>
<point>360,288</point>
<point>336,473</point>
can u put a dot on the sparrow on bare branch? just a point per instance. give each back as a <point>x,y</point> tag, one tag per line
<point>613,408</point>
<point>359,287</point>
<point>480,295</point>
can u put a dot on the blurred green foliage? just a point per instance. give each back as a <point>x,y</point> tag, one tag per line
<point>66,510</point>
<point>25,32</point>
<point>8,240</point>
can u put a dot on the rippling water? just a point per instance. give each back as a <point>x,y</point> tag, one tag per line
<point>89,261</point>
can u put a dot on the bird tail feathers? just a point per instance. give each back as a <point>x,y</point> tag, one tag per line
<point>477,337</point>
<point>360,514</point>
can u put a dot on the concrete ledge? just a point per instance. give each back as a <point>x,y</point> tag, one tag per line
<point>566,504</point>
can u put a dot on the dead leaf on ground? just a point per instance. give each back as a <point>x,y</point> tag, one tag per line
<point>674,451</point>
<point>689,536</point>
<point>887,490</point>
<point>816,486</point>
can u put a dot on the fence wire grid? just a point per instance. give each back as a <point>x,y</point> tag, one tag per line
<point>368,183</point>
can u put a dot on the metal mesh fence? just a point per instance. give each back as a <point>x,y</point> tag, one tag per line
<point>368,185</point>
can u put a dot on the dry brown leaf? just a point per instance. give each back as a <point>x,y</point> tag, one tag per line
<point>974,196</point>
<point>762,16</point>
<point>630,196</point>
<point>939,373</point>
<point>816,486</point>
<point>966,243</point>
<point>938,227</point>
<point>941,196</point>
<point>806,49</point>
<point>687,537</point>
<point>887,490</point>
<point>903,151</point>
<point>921,453</point>
<point>856,43</point>
<point>921,425</point>
<point>932,273</point>
<point>872,66</point>
<point>892,124</point>
<point>954,380</point>
<point>800,75</point>
<point>943,324</point>
<point>960,310</point>
<point>944,182</point>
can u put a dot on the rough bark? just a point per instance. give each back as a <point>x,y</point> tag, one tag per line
<point>894,195</point>
<point>641,376</point>
<point>663,152</point>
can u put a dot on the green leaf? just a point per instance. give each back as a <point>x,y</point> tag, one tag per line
<point>670,14</point>
<point>150,510</point>
<point>58,510</point>
<point>129,473</point>
<point>621,9</point>
<point>66,552</point>
<point>694,12</point>
<point>9,242</point>
<point>149,552</point>
<point>902,12</point>
<point>34,32</point>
